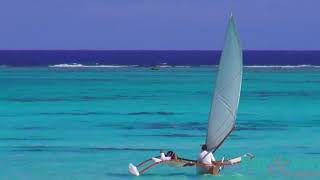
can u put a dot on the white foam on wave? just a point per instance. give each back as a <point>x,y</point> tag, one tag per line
<point>183,66</point>
<point>76,65</point>
<point>164,65</point>
<point>283,66</point>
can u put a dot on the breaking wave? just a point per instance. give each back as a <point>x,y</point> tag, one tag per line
<point>76,65</point>
<point>164,65</point>
<point>283,66</point>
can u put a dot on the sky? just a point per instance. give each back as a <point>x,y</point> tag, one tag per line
<point>158,24</point>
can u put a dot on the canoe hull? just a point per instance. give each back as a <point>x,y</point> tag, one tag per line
<point>214,170</point>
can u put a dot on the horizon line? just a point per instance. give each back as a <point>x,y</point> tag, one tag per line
<point>154,49</point>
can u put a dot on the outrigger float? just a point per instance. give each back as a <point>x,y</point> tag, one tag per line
<point>222,115</point>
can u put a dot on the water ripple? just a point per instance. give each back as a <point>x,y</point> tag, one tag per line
<point>31,128</point>
<point>154,113</point>
<point>43,148</point>
<point>27,139</point>
<point>261,125</point>
<point>280,93</point>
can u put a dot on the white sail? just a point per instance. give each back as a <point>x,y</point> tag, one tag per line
<point>227,91</point>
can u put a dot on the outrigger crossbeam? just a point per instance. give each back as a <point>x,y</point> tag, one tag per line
<point>211,169</point>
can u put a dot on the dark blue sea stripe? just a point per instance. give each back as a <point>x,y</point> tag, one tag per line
<point>177,135</point>
<point>313,153</point>
<point>279,93</point>
<point>261,125</point>
<point>44,148</point>
<point>151,57</point>
<point>180,135</point>
<point>260,94</point>
<point>79,98</point>
<point>242,125</point>
<point>28,139</point>
<point>291,81</point>
<point>160,113</point>
<point>35,99</point>
<point>73,113</point>
<point>154,113</point>
<point>33,128</point>
<point>155,125</point>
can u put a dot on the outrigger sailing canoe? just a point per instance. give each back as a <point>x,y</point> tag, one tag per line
<point>223,110</point>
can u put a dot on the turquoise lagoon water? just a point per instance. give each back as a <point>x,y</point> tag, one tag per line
<point>89,123</point>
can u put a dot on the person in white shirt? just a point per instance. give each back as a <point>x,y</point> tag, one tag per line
<point>206,157</point>
<point>170,155</point>
<point>211,165</point>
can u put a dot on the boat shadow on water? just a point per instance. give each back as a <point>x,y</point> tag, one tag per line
<point>177,174</point>
<point>152,174</point>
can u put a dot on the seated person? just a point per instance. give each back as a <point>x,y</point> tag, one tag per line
<point>170,155</point>
<point>206,157</point>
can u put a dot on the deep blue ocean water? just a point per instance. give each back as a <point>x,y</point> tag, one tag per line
<point>151,57</point>
<point>84,123</point>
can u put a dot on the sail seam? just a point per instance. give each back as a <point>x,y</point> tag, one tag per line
<point>222,125</point>
<point>224,139</point>
<point>228,107</point>
<point>219,134</point>
<point>227,84</point>
<point>221,99</point>
<point>217,95</point>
